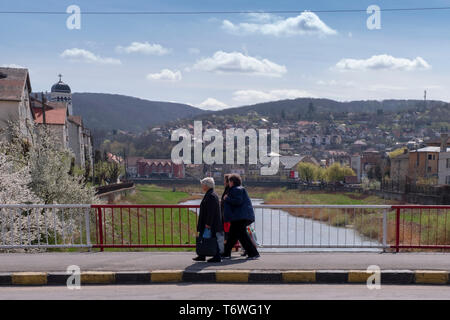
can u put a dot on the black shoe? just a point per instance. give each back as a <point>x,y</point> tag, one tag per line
<point>214,259</point>
<point>254,257</point>
<point>225,257</point>
<point>243,254</point>
<point>199,258</point>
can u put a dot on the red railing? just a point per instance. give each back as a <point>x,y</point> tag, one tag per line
<point>174,226</point>
<point>422,227</point>
<point>145,226</point>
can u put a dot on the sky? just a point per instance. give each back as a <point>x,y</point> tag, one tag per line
<point>215,61</point>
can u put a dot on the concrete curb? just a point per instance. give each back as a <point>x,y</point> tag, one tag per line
<point>404,277</point>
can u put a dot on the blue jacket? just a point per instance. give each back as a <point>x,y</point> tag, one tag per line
<point>238,205</point>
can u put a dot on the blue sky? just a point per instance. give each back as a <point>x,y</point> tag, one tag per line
<point>223,60</point>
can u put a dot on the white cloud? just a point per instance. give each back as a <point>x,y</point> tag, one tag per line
<point>212,104</point>
<point>82,55</point>
<point>307,23</point>
<point>336,83</point>
<point>261,16</point>
<point>383,62</point>
<point>145,48</point>
<point>256,96</point>
<point>165,75</point>
<point>236,62</point>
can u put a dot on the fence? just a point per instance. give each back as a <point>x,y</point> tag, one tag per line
<point>289,227</point>
<point>45,226</point>
<point>422,227</point>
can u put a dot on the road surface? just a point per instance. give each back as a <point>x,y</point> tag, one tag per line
<point>229,292</point>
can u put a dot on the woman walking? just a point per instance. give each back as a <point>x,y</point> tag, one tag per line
<point>210,218</point>
<point>226,225</point>
<point>239,212</point>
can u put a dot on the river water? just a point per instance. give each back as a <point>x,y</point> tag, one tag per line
<point>279,228</point>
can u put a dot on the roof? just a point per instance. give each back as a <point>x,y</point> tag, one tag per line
<point>112,157</point>
<point>289,162</point>
<point>430,149</point>
<point>76,119</point>
<point>360,142</point>
<point>132,161</point>
<point>12,83</point>
<point>156,161</point>
<point>60,87</point>
<point>52,116</point>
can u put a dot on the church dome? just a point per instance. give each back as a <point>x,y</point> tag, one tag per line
<point>61,87</point>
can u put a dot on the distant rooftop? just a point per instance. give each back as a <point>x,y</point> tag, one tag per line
<point>430,149</point>
<point>12,83</point>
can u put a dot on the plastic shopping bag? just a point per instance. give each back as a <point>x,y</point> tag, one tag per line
<point>207,233</point>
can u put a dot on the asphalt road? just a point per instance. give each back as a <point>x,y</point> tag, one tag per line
<point>229,292</point>
<point>140,261</point>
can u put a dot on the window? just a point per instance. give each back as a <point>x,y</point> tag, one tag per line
<point>448,163</point>
<point>429,169</point>
<point>447,180</point>
<point>429,157</point>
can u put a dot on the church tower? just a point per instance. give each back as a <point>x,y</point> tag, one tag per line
<point>61,92</point>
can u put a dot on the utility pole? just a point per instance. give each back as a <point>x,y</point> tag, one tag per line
<point>43,108</point>
<point>425,100</point>
<point>125,163</point>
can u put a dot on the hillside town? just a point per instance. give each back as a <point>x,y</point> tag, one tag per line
<point>384,148</point>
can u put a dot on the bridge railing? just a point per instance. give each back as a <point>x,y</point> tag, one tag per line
<point>25,226</point>
<point>422,227</point>
<point>287,227</point>
<point>145,226</point>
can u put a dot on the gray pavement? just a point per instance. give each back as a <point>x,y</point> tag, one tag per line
<point>140,261</point>
<point>228,292</point>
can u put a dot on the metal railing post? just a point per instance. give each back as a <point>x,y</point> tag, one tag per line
<point>88,227</point>
<point>100,228</point>
<point>397,230</point>
<point>385,229</point>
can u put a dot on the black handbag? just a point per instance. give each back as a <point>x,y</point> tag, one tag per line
<point>206,246</point>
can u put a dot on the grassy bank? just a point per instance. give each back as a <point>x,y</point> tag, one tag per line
<point>152,226</point>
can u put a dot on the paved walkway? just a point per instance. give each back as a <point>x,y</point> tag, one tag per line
<point>227,292</point>
<point>139,261</point>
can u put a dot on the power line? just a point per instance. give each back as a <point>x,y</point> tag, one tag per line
<point>221,12</point>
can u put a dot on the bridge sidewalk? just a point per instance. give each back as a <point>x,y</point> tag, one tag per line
<point>139,261</point>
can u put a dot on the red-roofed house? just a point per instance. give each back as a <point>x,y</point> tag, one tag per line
<point>159,167</point>
<point>54,116</point>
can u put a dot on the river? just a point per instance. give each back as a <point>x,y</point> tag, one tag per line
<point>279,228</point>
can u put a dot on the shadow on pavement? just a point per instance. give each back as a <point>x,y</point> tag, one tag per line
<point>198,266</point>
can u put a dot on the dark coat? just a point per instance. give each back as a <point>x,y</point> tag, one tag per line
<point>238,206</point>
<point>210,213</point>
<point>222,202</point>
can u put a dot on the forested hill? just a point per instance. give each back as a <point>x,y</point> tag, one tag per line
<point>107,112</point>
<point>301,105</point>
